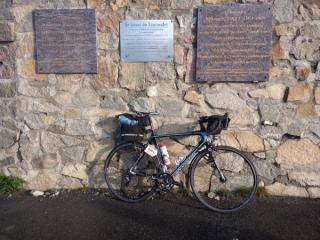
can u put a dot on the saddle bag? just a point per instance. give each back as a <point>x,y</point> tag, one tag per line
<point>217,123</point>
<point>133,127</point>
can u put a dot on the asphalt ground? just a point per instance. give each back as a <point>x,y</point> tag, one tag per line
<point>92,215</point>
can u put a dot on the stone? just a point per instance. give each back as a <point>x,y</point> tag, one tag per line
<point>26,89</point>
<point>281,49</point>
<point>181,4</point>
<point>116,4</point>
<point>176,149</point>
<point>97,176</point>
<point>276,91</point>
<point>28,71</point>
<point>170,107</point>
<point>181,71</point>
<point>73,154</point>
<point>249,141</point>
<point>42,182</point>
<point>192,96</point>
<point>314,192</point>
<point>303,71</point>
<point>298,153</point>
<point>6,14</point>
<point>7,138</point>
<point>258,93</point>
<point>152,91</point>
<point>315,129</point>
<point>317,95</point>
<point>185,21</point>
<point>160,71</point>
<point>77,127</point>
<point>114,100</point>
<point>98,152</point>
<point>179,54</point>
<point>7,89</point>
<point>283,10</point>
<point>295,129</point>
<point>227,163</point>
<point>8,108</point>
<point>279,189</point>
<point>108,23</point>
<point>86,97</point>
<point>9,124</point>
<point>217,1</point>
<point>311,30</point>
<point>305,178</point>
<point>76,171</point>
<point>70,183</point>
<point>164,88</point>
<point>243,118</point>
<point>7,31</point>
<point>37,193</point>
<point>132,76</point>
<point>51,142</point>
<point>306,110</point>
<point>46,161</point>
<point>108,71</point>
<point>25,49</point>
<point>278,72</point>
<point>62,98</point>
<point>289,30</point>
<point>94,113</point>
<point>270,111</point>
<point>304,48</point>
<point>300,92</point>
<point>225,99</point>
<point>266,170</point>
<point>37,105</point>
<point>142,104</point>
<point>227,138</point>
<point>72,113</point>
<point>91,3</point>
<point>29,144</point>
<point>304,13</point>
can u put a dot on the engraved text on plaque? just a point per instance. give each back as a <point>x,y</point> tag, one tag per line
<point>66,41</point>
<point>234,43</point>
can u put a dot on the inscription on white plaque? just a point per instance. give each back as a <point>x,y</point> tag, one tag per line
<point>146,40</point>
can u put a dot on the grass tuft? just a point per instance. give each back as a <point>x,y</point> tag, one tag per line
<point>262,192</point>
<point>10,184</point>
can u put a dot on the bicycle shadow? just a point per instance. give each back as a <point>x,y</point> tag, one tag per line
<point>178,221</point>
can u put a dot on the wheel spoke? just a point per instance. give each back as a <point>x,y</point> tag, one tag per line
<point>217,193</point>
<point>129,173</point>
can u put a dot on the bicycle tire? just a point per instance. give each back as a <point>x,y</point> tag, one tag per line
<point>113,180</point>
<point>213,197</point>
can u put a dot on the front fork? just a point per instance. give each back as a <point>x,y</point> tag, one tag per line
<point>222,177</point>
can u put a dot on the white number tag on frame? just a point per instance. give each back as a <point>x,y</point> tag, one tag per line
<point>151,150</point>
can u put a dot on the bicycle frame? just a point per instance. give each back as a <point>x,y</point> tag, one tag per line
<point>203,140</point>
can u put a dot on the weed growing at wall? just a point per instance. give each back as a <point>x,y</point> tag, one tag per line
<point>10,184</point>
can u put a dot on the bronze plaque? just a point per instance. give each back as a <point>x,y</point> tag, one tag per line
<point>234,43</point>
<point>66,41</point>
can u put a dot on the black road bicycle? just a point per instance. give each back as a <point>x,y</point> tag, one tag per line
<point>221,177</point>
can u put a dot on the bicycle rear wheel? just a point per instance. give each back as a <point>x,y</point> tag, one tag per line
<point>129,172</point>
<point>227,193</point>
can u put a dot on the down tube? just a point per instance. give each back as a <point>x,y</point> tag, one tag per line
<point>190,156</point>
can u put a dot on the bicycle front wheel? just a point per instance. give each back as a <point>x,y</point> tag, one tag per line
<point>226,182</point>
<point>129,172</point>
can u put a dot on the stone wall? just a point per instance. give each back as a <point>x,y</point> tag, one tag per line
<point>57,129</point>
